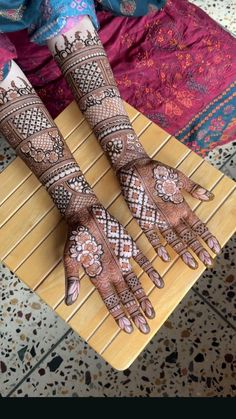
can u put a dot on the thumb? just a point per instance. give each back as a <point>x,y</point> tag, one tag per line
<point>196,190</point>
<point>72,282</point>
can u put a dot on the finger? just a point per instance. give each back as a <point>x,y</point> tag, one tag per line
<point>146,265</point>
<point>190,238</point>
<point>131,305</point>
<point>135,286</point>
<point>154,239</point>
<point>114,306</point>
<point>196,190</point>
<point>202,231</point>
<point>72,283</point>
<point>180,247</point>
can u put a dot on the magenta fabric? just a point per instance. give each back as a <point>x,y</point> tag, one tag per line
<point>170,65</point>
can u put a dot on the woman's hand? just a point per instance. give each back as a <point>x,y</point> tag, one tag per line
<point>153,192</point>
<point>99,244</point>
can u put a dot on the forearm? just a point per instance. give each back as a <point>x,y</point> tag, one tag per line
<point>85,65</point>
<point>30,130</point>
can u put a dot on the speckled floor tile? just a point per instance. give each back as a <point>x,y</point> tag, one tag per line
<point>192,355</point>
<point>7,154</point>
<point>223,11</point>
<point>28,329</point>
<point>230,167</point>
<point>221,155</point>
<point>218,285</point>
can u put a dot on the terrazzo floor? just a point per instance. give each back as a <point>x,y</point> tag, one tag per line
<point>193,354</point>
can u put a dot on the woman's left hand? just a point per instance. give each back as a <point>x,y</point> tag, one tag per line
<point>153,192</point>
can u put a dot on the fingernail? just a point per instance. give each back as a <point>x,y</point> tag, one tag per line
<point>210,195</point>
<point>205,258</point>
<point>163,254</point>
<point>141,324</point>
<point>189,260</point>
<point>72,291</point>
<point>203,194</point>
<point>125,324</point>
<point>148,309</point>
<point>156,279</point>
<point>214,245</point>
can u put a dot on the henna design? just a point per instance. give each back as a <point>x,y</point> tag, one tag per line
<point>96,241</point>
<point>15,91</point>
<point>167,184</point>
<point>201,230</point>
<point>121,242</point>
<point>153,194</point>
<point>31,131</point>
<point>84,63</point>
<point>45,148</point>
<point>85,250</point>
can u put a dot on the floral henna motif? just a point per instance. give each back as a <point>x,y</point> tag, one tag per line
<point>96,241</point>
<point>153,193</point>
<point>31,131</point>
<point>45,148</point>
<point>85,250</point>
<point>167,184</point>
<point>114,149</point>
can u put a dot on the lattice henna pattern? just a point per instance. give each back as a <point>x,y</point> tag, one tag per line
<point>121,242</point>
<point>95,90</point>
<point>33,133</point>
<point>95,239</point>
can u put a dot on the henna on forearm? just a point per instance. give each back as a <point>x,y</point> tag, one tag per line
<point>96,241</point>
<point>83,60</point>
<point>29,128</point>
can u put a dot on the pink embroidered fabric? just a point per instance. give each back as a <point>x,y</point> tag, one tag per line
<point>170,65</point>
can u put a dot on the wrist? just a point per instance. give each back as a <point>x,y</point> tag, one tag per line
<point>123,148</point>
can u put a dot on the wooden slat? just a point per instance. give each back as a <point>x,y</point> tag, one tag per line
<point>124,217</point>
<point>88,327</point>
<point>12,177</point>
<point>33,239</point>
<point>17,172</point>
<point>76,133</point>
<point>48,253</point>
<point>19,225</point>
<point>21,195</point>
<point>97,339</point>
<point>177,284</point>
<point>34,234</point>
<point>65,311</point>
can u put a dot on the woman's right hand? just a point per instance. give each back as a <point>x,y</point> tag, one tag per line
<point>99,244</point>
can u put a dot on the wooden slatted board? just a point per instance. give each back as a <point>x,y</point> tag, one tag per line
<point>33,233</point>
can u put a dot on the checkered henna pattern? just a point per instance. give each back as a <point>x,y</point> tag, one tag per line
<point>95,240</point>
<point>153,191</point>
<point>83,61</point>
